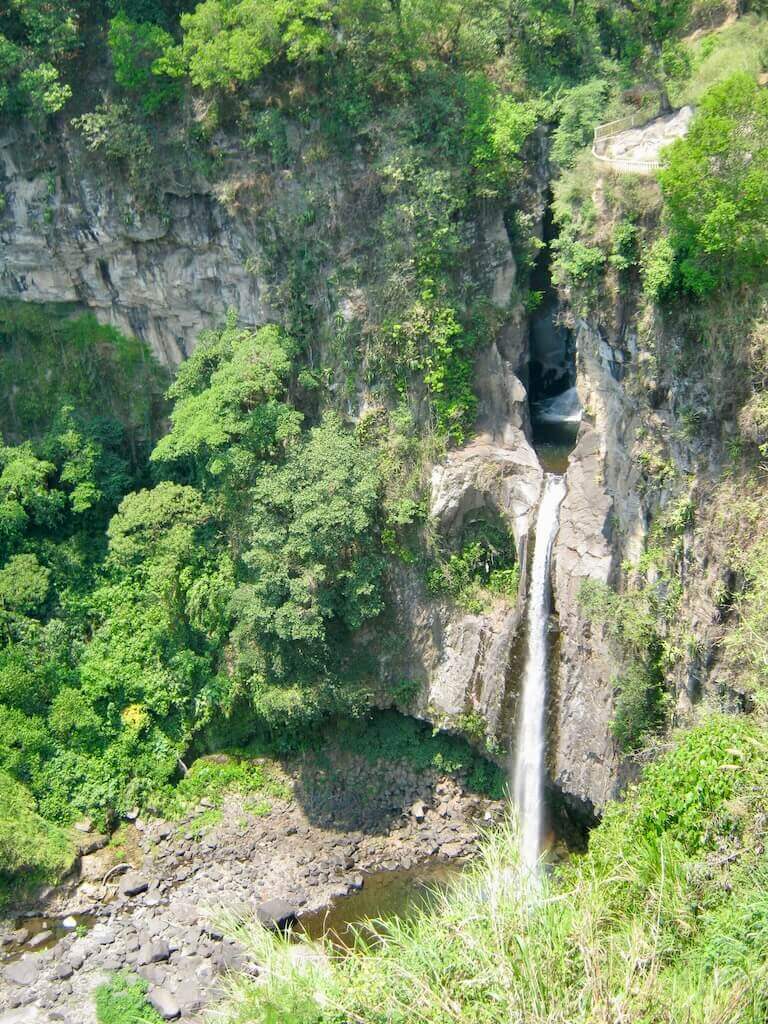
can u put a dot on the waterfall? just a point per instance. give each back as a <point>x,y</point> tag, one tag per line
<point>529,755</point>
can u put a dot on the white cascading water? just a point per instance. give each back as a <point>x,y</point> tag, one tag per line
<point>529,755</point>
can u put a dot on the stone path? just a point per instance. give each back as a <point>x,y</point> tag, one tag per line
<point>160,919</point>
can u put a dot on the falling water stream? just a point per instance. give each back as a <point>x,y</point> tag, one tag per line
<point>529,755</point>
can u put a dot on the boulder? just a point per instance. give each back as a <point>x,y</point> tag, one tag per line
<point>63,970</point>
<point>153,974</point>
<point>189,995</point>
<point>184,913</point>
<point>132,884</point>
<point>22,972</point>
<point>94,866</point>
<point>153,952</point>
<point>25,1015</point>
<point>276,913</point>
<point>40,938</point>
<point>90,843</point>
<point>103,934</point>
<point>165,1004</point>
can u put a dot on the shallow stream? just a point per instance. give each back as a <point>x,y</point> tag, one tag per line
<point>38,933</point>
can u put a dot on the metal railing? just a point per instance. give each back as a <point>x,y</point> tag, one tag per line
<point>621,124</point>
<point>625,165</point>
<point>609,130</point>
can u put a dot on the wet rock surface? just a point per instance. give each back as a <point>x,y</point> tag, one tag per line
<point>583,755</point>
<point>160,919</point>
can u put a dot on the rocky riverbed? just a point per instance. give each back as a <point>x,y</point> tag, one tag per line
<point>158,917</point>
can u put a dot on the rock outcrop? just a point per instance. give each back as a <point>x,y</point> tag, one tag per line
<point>583,759</point>
<point>70,235</point>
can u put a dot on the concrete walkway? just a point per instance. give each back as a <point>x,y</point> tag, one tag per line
<point>636,149</point>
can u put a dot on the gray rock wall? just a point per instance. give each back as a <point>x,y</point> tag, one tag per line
<point>69,235</point>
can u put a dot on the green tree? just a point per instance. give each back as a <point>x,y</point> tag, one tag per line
<point>646,35</point>
<point>552,41</point>
<point>225,43</point>
<point>50,27</point>
<point>24,585</point>
<point>312,555</point>
<point>36,35</point>
<point>396,41</point>
<point>580,110</point>
<point>715,187</point>
<point>230,410</point>
<point>135,47</point>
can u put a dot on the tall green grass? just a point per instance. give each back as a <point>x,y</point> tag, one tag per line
<point>742,46</point>
<point>662,920</point>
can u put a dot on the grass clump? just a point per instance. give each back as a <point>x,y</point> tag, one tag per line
<point>212,777</point>
<point>123,1000</point>
<point>741,46</point>
<point>32,851</point>
<point>659,921</point>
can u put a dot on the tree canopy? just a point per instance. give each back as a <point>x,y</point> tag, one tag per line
<point>715,186</point>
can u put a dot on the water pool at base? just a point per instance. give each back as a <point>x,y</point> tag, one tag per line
<point>384,894</point>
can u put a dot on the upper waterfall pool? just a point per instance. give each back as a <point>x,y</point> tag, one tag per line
<point>553,442</point>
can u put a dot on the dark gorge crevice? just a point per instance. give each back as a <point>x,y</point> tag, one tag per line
<point>551,378</point>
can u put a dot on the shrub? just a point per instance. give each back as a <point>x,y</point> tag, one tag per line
<point>633,621</point>
<point>211,778</point>
<point>641,705</point>
<point>484,564</point>
<point>135,47</point>
<point>686,794</point>
<point>580,111</point>
<point>659,269</point>
<point>44,90</point>
<point>112,131</point>
<point>123,1000</point>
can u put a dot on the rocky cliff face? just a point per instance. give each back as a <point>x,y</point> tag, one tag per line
<point>601,524</point>
<point>70,233</point>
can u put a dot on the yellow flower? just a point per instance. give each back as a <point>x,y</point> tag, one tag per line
<point>135,717</point>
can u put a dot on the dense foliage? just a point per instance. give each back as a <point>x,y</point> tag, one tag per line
<point>715,186</point>
<point>32,850</point>
<point>135,611</point>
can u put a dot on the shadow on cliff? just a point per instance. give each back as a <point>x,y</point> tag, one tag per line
<point>363,774</point>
